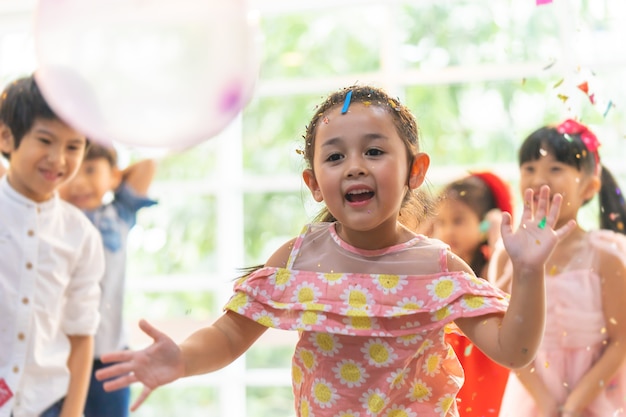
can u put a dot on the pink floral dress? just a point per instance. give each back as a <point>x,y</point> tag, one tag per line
<point>371,343</point>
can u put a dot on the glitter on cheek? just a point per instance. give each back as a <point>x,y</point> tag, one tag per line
<point>538,242</point>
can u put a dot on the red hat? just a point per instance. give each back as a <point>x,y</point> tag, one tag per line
<point>499,189</point>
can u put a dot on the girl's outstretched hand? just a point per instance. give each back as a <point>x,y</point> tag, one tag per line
<point>534,240</point>
<point>156,365</point>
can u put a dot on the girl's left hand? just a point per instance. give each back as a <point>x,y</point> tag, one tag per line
<point>534,240</point>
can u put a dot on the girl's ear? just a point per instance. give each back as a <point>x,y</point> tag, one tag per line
<point>420,164</point>
<point>592,187</point>
<point>311,182</point>
<point>6,139</point>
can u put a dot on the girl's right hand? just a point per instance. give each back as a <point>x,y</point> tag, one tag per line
<point>156,365</point>
<point>535,239</point>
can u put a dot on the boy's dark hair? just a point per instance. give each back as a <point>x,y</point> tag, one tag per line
<point>20,104</point>
<point>571,150</point>
<point>96,151</point>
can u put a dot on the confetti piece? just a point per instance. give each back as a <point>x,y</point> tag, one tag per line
<point>542,223</point>
<point>553,270</point>
<point>612,320</point>
<point>468,350</point>
<point>542,2</point>
<point>592,98</point>
<point>538,242</point>
<point>568,137</point>
<point>550,65</point>
<point>608,107</point>
<point>584,87</point>
<point>613,216</point>
<point>325,121</point>
<point>367,103</point>
<point>558,83</point>
<point>392,103</point>
<point>346,103</point>
<point>523,81</point>
<point>562,97</point>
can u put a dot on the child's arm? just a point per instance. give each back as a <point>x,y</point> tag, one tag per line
<point>79,364</point>
<point>513,340</point>
<point>139,176</point>
<point>206,350</point>
<point>595,381</point>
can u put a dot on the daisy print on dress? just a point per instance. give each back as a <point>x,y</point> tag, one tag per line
<point>408,305</point>
<point>281,279</point>
<point>350,373</point>
<point>306,293</point>
<point>474,302</point>
<point>390,284</point>
<point>308,319</point>
<point>356,297</point>
<point>296,375</point>
<point>444,404</point>
<point>442,288</point>
<point>410,338</point>
<point>348,413</point>
<point>239,302</point>
<point>305,408</point>
<point>398,378</point>
<point>358,320</point>
<point>379,353</point>
<point>266,319</point>
<point>399,411</point>
<point>332,278</point>
<point>374,401</point>
<point>327,344</point>
<point>420,391</point>
<point>442,313</point>
<point>307,358</point>
<point>432,365</point>
<point>323,393</point>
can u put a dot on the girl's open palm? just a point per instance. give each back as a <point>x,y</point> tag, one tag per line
<point>156,365</point>
<point>534,240</point>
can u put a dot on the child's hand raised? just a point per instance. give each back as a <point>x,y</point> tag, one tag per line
<point>156,365</point>
<point>534,240</point>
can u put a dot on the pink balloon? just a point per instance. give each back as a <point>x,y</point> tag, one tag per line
<point>150,73</point>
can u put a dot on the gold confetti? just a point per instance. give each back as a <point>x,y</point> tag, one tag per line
<point>563,97</point>
<point>547,365</point>
<point>367,103</point>
<point>553,270</point>
<point>612,320</point>
<point>538,242</point>
<point>558,83</point>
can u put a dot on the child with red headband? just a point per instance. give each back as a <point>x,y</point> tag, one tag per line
<point>468,219</point>
<point>578,370</point>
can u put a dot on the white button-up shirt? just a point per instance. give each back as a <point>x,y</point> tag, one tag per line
<point>51,263</point>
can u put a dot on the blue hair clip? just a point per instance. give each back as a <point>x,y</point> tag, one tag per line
<point>346,103</point>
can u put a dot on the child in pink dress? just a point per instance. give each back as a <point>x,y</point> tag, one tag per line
<point>369,297</point>
<point>578,371</point>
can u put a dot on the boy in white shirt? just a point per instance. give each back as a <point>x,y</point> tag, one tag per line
<point>52,262</point>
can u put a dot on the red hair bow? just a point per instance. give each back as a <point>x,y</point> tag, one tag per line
<point>572,127</point>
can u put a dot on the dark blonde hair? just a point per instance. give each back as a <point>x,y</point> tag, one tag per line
<point>416,203</point>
